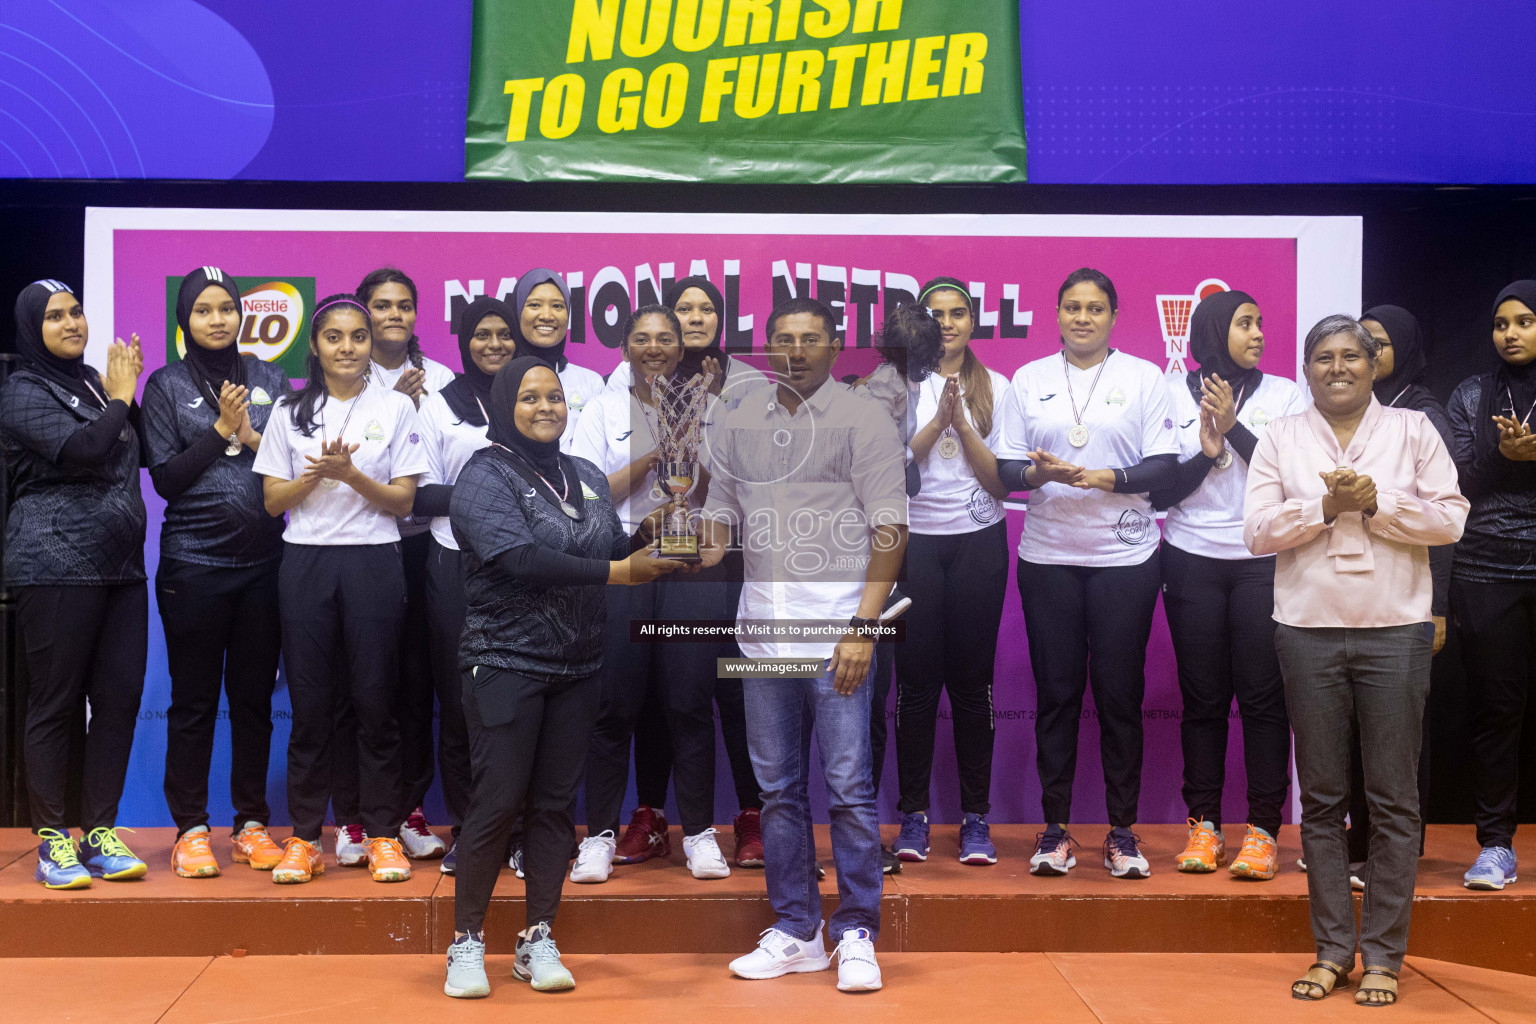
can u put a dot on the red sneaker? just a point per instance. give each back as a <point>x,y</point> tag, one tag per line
<point>748,827</point>
<point>645,838</point>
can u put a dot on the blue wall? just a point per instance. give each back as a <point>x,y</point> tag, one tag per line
<point>1179,92</point>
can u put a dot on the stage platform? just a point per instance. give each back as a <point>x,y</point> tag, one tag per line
<point>1064,988</point>
<point>940,906</point>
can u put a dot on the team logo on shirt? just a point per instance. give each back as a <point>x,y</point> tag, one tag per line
<point>415,438</point>
<point>1115,397</point>
<point>374,431</point>
<point>587,492</point>
<point>1047,398</point>
<point>259,396</point>
<point>982,507</point>
<point>1257,417</point>
<point>196,403</point>
<point>1132,528</point>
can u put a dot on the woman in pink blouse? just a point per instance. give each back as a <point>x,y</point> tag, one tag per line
<point>1348,496</point>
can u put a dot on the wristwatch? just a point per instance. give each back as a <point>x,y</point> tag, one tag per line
<point>869,628</point>
<point>233,448</point>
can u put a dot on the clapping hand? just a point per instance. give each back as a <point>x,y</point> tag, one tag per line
<point>1350,491</point>
<point>949,401</point>
<point>1516,441</point>
<point>1216,398</point>
<point>711,366</point>
<point>1051,470</point>
<point>234,410</point>
<point>1210,434</point>
<point>124,365</point>
<point>412,384</point>
<point>334,463</point>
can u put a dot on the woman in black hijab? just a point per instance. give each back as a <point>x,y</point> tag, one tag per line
<point>1219,598</point>
<point>540,539</point>
<point>217,582</point>
<point>1493,583</point>
<point>453,427</point>
<point>74,552</point>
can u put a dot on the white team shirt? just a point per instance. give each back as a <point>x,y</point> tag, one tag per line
<point>741,379</point>
<point>383,425</point>
<point>581,386</point>
<point>616,430</point>
<point>1210,521</point>
<point>449,442</point>
<point>1128,417</point>
<point>951,500</point>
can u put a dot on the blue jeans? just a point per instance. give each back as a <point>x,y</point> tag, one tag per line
<point>780,717</point>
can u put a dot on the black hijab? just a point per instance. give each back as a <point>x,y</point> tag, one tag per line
<point>1403,386</point>
<point>539,463</point>
<point>1209,327</point>
<point>472,388</point>
<point>1510,383</point>
<point>70,374</point>
<point>209,368</point>
<point>554,355</point>
<point>693,358</point>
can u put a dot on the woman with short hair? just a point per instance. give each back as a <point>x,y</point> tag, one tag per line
<point>1348,496</point>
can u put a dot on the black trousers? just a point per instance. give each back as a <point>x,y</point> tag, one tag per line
<point>684,675</point>
<point>879,700</point>
<point>1221,615</point>
<point>1496,623</point>
<point>89,641</point>
<point>527,742</point>
<point>445,621</point>
<point>222,631</point>
<point>341,608</point>
<point>957,583</point>
<point>653,742</point>
<point>1072,613</point>
<point>415,687</point>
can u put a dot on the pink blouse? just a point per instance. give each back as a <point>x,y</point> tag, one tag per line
<point>1354,571</point>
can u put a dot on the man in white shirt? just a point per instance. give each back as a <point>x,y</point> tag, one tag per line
<point>815,475</point>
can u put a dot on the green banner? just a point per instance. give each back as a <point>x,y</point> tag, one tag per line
<point>274,325</point>
<point>805,91</point>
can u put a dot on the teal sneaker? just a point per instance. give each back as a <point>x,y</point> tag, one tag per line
<point>466,969</point>
<point>58,865</point>
<point>108,857</point>
<point>538,961</point>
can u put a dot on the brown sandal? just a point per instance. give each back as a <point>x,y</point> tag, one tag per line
<point>1306,988</point>
<point>1363,993</point>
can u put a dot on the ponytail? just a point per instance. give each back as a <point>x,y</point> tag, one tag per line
<point>976,383</point>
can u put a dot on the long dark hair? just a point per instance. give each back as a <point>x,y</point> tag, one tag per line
<point>389,275</point>
<point>314,390</point>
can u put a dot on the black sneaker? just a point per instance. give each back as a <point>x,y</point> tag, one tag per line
<point>890,864</point>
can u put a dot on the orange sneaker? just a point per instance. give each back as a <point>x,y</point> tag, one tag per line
<point>1206,850</point>
<point>254,846</point>
<point>386,860</point>
<point>1258,859</point>
<point>301,862</point>
<point>192,857</point>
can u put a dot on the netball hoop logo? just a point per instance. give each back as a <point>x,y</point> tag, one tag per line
<point>275,324</point>
<point>1173,313</point>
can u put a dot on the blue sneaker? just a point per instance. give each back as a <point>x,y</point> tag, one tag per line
<point>976,841</point>
<point>58,866</point>
<point>1494,869</point>
<point>450,861</point>
<point>108,857</point>
<point>912,844</point>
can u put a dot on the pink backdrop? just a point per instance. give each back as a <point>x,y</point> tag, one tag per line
<point>445,263</point>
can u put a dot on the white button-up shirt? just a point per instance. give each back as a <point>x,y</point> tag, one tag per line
<point>808,489</point>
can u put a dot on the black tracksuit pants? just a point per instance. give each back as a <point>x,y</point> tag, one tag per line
<point>415,687</point>
<point>222,632</point>
<point>1220,613</point>
<point>341,610</point>
<point>445,618</point>
<point>89,641</point>
<point>527,740</point>
<point>957,583</point>
<point>1072,612</point>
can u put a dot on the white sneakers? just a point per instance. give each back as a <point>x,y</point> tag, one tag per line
<point>594,860</point>
<point>351,846</point>
<point>418,840</point>
<point>857,970</point>
<point>704,857</point>
<point>778,954</point>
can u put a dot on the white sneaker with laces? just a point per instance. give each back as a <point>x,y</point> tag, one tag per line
<point>466,969</point>
<point>351,846</point>
<point>538,961</point>
<point>857,970</point>
<point>418,840</point>
<point>594,861</point>
<point>515,862</point>
<point>779,953</point>
<point>704,857</point>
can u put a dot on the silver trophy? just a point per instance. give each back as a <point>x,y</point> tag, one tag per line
<point>680,415</point>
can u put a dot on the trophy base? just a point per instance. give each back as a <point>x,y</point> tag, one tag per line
<point>680,549</point>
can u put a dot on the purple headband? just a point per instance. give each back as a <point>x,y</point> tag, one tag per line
<point>344,302</point>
